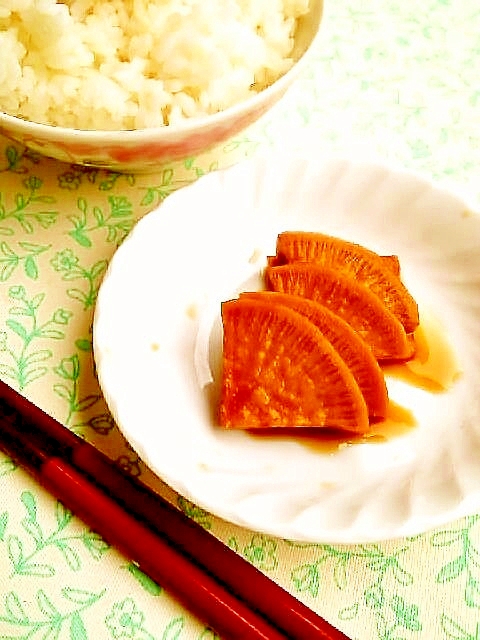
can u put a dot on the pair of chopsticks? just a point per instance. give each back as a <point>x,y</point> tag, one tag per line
<point>210,579</point>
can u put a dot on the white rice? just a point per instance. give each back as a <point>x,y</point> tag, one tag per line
<point>131,64</point>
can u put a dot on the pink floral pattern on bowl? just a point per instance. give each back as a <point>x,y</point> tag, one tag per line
<point>136,151</point>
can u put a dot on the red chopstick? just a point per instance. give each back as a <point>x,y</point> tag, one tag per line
<point>213,581</point>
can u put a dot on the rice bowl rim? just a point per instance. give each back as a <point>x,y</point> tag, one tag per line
<point>168,132</point>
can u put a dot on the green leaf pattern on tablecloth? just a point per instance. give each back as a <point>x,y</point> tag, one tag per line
<point>20,359</point>
<point>67,263</point>
<point>48,621</point>
<point>396,79</point>
<point>386,606</point>
<point>115,222</point>
<point>27,209</point>
<point>147,583</point>
<point>25,255</point>
<point>465,564</point>
<point>25,552</point>
<point>194,512</point>
<point>69,370</point>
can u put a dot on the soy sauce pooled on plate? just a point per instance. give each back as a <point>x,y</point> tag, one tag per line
<point>435,367</point>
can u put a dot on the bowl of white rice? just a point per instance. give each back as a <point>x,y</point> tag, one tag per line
<point>132,84</point>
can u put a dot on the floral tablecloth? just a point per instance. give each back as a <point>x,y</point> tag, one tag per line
<point>401,79</point>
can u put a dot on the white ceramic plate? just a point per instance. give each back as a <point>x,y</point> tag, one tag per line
<point>157,339</point>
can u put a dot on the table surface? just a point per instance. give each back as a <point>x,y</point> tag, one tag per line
<point>398,78</point>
